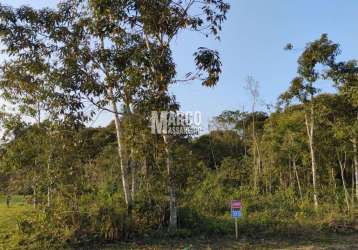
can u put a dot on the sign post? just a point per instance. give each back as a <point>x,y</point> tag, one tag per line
<point>236,213</point>
<point>236,229</point>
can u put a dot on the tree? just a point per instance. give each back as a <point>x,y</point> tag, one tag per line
<point>322,51</point>
<point>106,54</point>
<point>162,21</point>
<point>345,76</point>
<point>253,87</point>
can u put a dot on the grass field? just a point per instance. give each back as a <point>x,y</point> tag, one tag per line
<point>8,217</point>
<point>319,240</point>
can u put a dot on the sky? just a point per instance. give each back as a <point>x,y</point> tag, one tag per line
<point>252,43</point>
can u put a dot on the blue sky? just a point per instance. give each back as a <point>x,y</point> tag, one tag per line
<point>252,43</point>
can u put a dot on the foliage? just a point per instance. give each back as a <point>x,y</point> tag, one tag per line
<point>99,185</point>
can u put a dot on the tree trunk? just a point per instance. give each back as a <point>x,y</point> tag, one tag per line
<point>352,188</point>
<point>270,176</point>
<point>8,199</point>
<point>310,131</point>
<point>134,179</point>
<point>342,167</point>
<point>290,172</point>
<point>48,196</point>
<point>172,184</point>
<point>254,151</point>
<point>34,197</point>
<point>123,154</point>
<point>297,178</point>
<point>259,163</point>
<point>334,184</point>
<point>254,169</point>
<point>244,138</point>
<point>145,167</point>
<point>49,181</point>
<point>212,152</point>
<point>355,160</point>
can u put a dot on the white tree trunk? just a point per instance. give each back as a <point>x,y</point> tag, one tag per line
<point>355,160</point>
<point>172,185</point>
<point>297,178</point>
<point>133,168</point>
<point>342,166</point>
<point>254,161</point>
<point>123,154</point>
<point>310,134</point>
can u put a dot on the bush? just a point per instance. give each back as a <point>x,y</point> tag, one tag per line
<point>197,223</point>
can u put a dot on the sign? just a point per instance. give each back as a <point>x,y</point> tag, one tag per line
<point>236,209</point>
<point>236,204</point>
<point>236,213</point>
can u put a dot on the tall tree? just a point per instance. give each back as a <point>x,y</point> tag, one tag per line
<point>253,87</point>
<point>320,52</point>
<point>162,21</point>
<point>345,76</point>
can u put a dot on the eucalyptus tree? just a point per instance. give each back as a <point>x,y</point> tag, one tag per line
<point>163,20</point>
<point>321,52</point>
<point>81,56</point>
<point>253,87</point>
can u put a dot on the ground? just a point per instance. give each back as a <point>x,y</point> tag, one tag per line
<point>332,242</point>
<point>8,223</point>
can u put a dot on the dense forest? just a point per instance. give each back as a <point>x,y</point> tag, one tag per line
<point>293,164</point>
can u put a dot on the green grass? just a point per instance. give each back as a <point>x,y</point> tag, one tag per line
<point>310,239</point>
<point>8,217</point>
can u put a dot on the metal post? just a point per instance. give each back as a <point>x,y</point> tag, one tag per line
<point>236,229</point>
